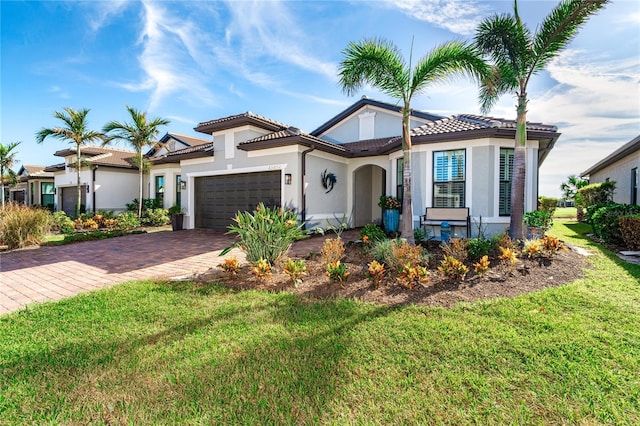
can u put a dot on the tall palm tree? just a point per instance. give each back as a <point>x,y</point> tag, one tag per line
<point>7,160</point>
<point>570,190</point>
<point>140,134</point>
<point>74,131</point>
<point>518,54</point>
<point>380,63</point>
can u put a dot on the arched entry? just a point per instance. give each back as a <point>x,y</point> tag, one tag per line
<point>369,183</point>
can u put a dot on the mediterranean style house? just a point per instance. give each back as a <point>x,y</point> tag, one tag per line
<point>622,167</point>
<point>34,187</point>
<point>338,171</point>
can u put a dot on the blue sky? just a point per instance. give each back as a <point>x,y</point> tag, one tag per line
<point>193,61</point>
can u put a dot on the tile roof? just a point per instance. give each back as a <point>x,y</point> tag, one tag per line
<point>290,136</point>
<point>189,140</point>
<point>180,154</point>
<point>238,119</point>
<point>469,122</point>
<point>103,156</point>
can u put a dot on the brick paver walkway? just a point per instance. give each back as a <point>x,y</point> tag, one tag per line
<point>52,273</point>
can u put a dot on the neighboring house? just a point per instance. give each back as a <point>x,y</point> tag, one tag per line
<point>622,167</point>
<point>165,178</point>
<point>35,187</point>
<point>108,177</point>
<point>340,169</point>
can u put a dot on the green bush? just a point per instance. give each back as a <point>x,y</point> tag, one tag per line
<point>547,204</point>
<point>267,233</point>
<point>373,233</point>
<point>596,193</point>
<point>538,219</point>
<point>397,253</point>
<point>155,217</point>
<point>478,247</point>
<point>605,221</point>
<point>127,221</point>
<point>62,222</point>
<point>22,226</point>
<point>630,231</point>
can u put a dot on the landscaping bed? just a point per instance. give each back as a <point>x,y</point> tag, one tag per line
<point>501,280</point>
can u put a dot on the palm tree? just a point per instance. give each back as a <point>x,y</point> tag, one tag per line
<point>140,133</point>
<point>570,191</point>
<point>517,55</point>
<point>380,63</point>
<point>75,132</point>
<point>7,159</point>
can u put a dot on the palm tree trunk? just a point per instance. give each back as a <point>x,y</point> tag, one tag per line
<point>2,184</point>
<point>518,181</point>
<point>78,188</point>
<point>406,230</point>
<point>140,193</point>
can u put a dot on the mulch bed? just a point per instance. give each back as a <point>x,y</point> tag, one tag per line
<point>501,280</point>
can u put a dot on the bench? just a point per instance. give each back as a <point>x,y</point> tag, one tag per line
<point>456,216</point>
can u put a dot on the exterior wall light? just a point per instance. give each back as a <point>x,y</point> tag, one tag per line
<point>183,185</point>
<point>287,178</point>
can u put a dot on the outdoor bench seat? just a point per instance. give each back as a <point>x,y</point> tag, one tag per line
<point>455,216</point>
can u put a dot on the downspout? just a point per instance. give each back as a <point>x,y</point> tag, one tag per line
<point>303,213</point>
<point>93,190</point>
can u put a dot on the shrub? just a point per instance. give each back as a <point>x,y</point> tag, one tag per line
<point>605,221</point>
<point>551,246</point>
<point>420,235</point>
<point>588,216</point>
<point>457,248</point>
<point>412,275</point>
<point>630,231</point>
<point>397,253</point>
<point>508,255</point>
<point>538,219</point>
<point>230,265</point>
<point>62,222</point>
<point>267,233</point>
<point>596,193</point>
<point>156,217</point>
<point>332,250</point>
<point>478,247</point>
<point>373,233</point>
<point>532,248</point>
<point>295,270</point>
<point>453,268</point>
<point>547,204</point>
<point>261,269</point>
<point>337,271</point>
<point>22,226</point>
<point>127,221</point>
<point>482,266</point>
<point>375,272</point>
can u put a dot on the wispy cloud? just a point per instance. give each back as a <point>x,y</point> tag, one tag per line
<point>63,94</point>
<point>104,11</point>
<point>458,16</point>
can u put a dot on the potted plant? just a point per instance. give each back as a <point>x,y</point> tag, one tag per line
<point>390,213</point>
<point>537,223</point>
<point>177,217</point>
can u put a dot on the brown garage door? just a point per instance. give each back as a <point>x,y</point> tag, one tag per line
<point>70,198</point>
<point>219,198</point>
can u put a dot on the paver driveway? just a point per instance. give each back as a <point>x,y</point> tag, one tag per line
<point>51,273</point>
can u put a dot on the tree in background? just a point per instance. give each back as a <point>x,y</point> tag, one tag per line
<point>74,131</point>
<point>380,63</point>
<point>517,55</point>
<point>7,160</point>
<point>140,133</point>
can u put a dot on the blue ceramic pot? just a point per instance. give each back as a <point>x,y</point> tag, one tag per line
<point>391,219</point>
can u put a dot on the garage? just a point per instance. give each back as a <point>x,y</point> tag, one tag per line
<point>70,199</point>
<point>219,198</point>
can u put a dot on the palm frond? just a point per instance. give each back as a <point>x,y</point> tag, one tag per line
<point>378,62</point>
<point>560,27</point>
<point>445,62</point>
<point>139,133</point>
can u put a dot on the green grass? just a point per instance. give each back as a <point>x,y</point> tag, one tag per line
<point>565,213</point>
<point>165,353</point>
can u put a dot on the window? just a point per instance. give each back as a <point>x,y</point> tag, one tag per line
<point>449,178</point>
<point>47,194</point>
<point>400,179</point>
<point>178,190</point>
<point>160,190</point>
<point>32,193</point>
<point>506,175</point>
<point>634,185</point>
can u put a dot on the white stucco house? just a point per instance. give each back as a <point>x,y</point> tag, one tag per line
<point>622,167</point>
<point>35,187</point>
<point>340,169</point>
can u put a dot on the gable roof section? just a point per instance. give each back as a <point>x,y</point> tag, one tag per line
<point>102,156</point>
<point>27,172</point>
<point>197,151</point>
<point>366,101</point>
<point>183,139</point>
<point>291,136</point>
<point>247,118</point>
<point>629,148</point>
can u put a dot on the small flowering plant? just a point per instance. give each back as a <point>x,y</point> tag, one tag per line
<point>389,202</point>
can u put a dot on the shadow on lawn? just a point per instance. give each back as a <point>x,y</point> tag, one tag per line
<point>203,370</point>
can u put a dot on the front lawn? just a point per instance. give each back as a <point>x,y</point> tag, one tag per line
<point>163,353</point>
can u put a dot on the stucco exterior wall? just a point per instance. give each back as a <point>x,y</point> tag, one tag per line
<point>323,205</point>
<point>169,172</point>
<point>620,172</point>
<point>114,188</point>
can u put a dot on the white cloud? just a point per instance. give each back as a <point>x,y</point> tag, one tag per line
<point>458,16</point>
<point>103,11</point>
